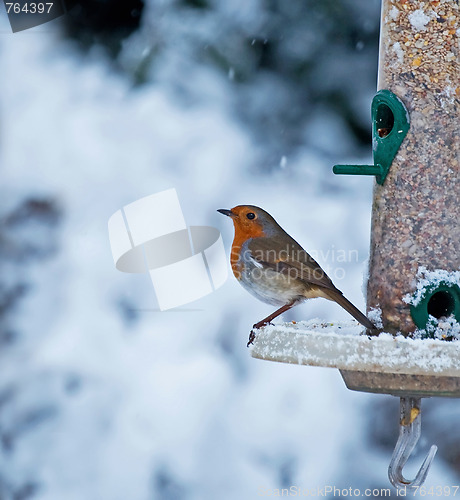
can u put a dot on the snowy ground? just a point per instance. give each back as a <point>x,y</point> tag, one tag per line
<point>101,395</point>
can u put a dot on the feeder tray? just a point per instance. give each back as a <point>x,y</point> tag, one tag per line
<point>385,364</point>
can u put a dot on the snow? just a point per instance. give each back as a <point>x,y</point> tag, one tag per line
<point>394,13</point>
<point>375,315</point>
<point>442,329</point>
<point>419,19</point>
<point>427,281</point>
<point>342,345</point>
<point>399,52</point>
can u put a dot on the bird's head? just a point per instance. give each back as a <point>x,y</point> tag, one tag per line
<point>251,221</point>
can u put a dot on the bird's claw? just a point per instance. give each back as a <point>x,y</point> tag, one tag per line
<point>252,335</point>
<point>261,324</point>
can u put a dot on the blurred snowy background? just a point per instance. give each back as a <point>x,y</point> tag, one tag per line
<point>229,102</point>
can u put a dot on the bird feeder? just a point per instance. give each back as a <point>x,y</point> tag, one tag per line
<point>414,266</point>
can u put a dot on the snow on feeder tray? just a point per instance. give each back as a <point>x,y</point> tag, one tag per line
<point>414,277</point>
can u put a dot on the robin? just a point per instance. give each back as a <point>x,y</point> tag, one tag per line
<point>273,267</point>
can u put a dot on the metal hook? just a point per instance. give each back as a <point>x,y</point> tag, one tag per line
<point>409,433</point>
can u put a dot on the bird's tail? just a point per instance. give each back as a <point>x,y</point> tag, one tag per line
<point>354,311</point>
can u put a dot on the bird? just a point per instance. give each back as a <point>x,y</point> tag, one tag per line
<point>274,268</point>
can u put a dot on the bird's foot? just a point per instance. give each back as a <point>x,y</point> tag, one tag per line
<point>372,332</point>
<point>252,336</point>
<point>261,324</point>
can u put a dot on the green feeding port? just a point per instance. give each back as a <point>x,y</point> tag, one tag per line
<point>390,123</point>
<point>441,301</point>
<point>384,120</point>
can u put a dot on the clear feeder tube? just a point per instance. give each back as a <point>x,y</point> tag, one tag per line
<point>416,212</point>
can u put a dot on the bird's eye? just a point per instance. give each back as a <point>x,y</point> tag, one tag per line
<point>251,215</point>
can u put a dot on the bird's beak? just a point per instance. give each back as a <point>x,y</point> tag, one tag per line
<point>226,212</point>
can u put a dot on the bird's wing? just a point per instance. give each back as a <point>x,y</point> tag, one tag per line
<point>288,257</point>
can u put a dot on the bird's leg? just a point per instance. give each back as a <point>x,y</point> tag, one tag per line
<point>274,315</point>
<point>266,321</point>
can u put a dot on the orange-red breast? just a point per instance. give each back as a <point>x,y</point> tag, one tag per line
<point>273,267</point>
